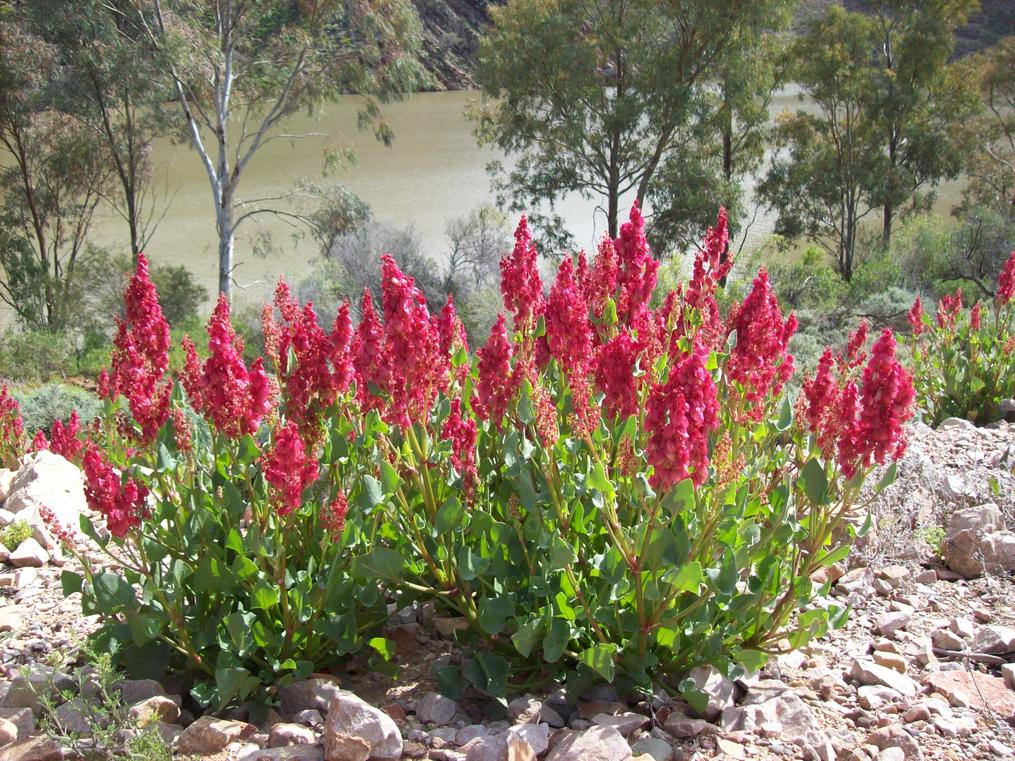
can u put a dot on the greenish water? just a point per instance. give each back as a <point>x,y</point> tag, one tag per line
<point>433,172</point>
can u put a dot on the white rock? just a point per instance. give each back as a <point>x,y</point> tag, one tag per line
<point>870,673</point>
<point>890,623</point>
<point>308,694</point>
<point>946,639</point>
<point>6,479</point>
<point>785,715</point>
<point>349,716</point>
<point>8,732</point>
<point>48,480</point>
<point>1008,673</point>
<point>155,708</point>
<point>994,639</point>
<point>29,554</point>
<point>594,744</point>
<point>963,627</point>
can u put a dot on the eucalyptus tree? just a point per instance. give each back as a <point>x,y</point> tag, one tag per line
<point>604,97</point>
<point>240,68</point>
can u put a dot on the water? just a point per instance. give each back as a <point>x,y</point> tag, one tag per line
<point>433,172</point>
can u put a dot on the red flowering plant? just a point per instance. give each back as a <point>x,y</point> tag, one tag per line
<point>223,499</point>
<point>614,491</point>
<point>964,359</point>
<point>12,429</point>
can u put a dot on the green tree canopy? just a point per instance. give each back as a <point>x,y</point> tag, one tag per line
<point>616,97</point>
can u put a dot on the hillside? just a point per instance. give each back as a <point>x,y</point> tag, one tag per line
<point>452,29</point>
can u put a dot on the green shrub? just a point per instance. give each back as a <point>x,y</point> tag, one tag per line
<point>36,356</point>
<point>14,533</point>
<point>602,493</point>
<point>55,401</point>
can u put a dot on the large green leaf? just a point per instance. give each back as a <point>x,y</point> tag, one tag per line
<point>112,593</point>
<point>600,659</point>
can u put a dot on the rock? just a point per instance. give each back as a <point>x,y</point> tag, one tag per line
<point>22,718</point>
<point>8,732</point>
<point>10,619</point>
<point>447,627</point>
<point>892,661</point>
<point>895,575</point>
<point>210,735</point>
<point>306,694</point>
<point>659,750</point>
<point>786,716</point>
<point>626,723</point>
<point>519,750</point>
<point>918,712</point>
<point>536,736</point>
<point>994,639</point>
<point>471,732</point>
<point>528,708</point>
<point>285,734</point>
<point>310,718</point>
<point>945,639</point>
<point>155,708</point>
<point>594,744</point>
<point>1008,675</point>
<point>133,691</point>
<point>872,697</point>
<point>37,680</point>
<point>962,627</point>
<point>975,690</point>
<point>349,716</point>
<point>999,749</point>
<point>889,623</point>
<point>683,727</point>
<point>168,732</point>
<point>29,554</point>
<point>48,480</point>
<point>717,688</point>
<point>434,708</point>
<point>868,672</point>
<point>289,753</point>
<point>34,749</point>
<point>6,479</point>
<point>927,576</point>
<point>77,715</point>
<point>892,754</point>
<point>894,736</point>
<point>976,542</point>
<point>342,747</point>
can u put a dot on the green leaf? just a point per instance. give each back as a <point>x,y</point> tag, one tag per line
<point>450,681</point>
<point>555,641</point>
<point>380,562</point>
<point>385,647</point>
<point>687,578</point>
<point>750,659</point>
<point>680,497</point>
<point>494,613</point>
<point>166,461</point>
<point>390,479</point>
<point>112,592</point>
<point>815,482</point>
<point>471,565</point>
<point>600,659</point>
<point>371,495</point>
<point>211,575</point>
<point>144,627</point>
<point>70,582</point>
<point>265,596</point>
<point>599,481</point>
<point>526,410</point>
<point>887,479</point>
<point>785,415</point>
<point>527,636</point>
<point>234,683</point>
<point>487,672</point>
<point>450,515</point>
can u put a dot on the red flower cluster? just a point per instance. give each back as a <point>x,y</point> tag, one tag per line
<point>760,362</point>
<point>916,317</point>
<point>64,439</point>
<point>12,427</point>
<point>416,365</point>
<point>496,386</point>
<point>709,270</point>
<point>615,365</point>
<point>333,518</point>
<point>865,427</point>
<point>461,432</point>
<point>453,337</point>
<point>855,355</point>
<point>323,366</point>
<point>975,316</point>
<point>369,358</point>
<point>1006,282</point>
<point>637,268</point>
<point>229,395</point>
<point>568,331</point>
<point>141,355</point>
<point>600,283</point>
<point>680,415</point>
<point>120,501</point>
<point>288,468</point>
<point>520,283</point>
<point>948,309</point>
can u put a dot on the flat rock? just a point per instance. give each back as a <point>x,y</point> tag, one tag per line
<point>133,691</point>
<point>48,480</point>
<point>209,735</point>
<point>284,734</point>
<point>786,716</point>
<point>306,694</point>
<point>434,708</point>
<point>868,672</point>
<point>994,639</point>
<point>288,753</point>
<point>350,717</point>
<point>894,736</point>
<point>658,749</point>
<point>974,690</point>
<point>22,718</point>
<point>29,554</point>
<point>155,708</point>
<point>34,749</point>
<point>8,732</point>
<point>27,688</point>
<point>594,744</point>
<point>892,661</point>
<point>626,723</point>
<point>890,623</point>
<point>683,727</point>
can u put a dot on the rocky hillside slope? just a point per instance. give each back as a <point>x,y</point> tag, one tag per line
<point>452,29</point>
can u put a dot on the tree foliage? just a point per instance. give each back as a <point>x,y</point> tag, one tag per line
<point>609,99</point>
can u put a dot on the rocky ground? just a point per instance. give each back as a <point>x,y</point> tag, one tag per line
<point>923,669</point>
